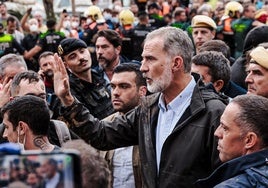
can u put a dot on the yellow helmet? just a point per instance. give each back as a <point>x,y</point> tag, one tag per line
<point>232,7</point>
<point>126,17</point>
<point>94,12</point>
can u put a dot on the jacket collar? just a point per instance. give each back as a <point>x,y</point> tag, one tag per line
<point>234,167</point>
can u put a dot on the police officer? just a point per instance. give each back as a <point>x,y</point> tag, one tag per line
<point>126,19</point>
<point>47,41</point>
<point>155,19</point>
<point>139,33</point>
<point>30,41</point>
<point>8,43</point>
<point>93,17</point>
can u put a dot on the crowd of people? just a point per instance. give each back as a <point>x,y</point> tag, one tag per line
<point>169,93</point>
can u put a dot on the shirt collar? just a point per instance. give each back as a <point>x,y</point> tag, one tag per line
<point>177,101</point>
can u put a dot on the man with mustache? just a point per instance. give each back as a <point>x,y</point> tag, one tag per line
<point>87,85</point>
<point>108,48</point>
<point>173,127</point>
<point>242,144</point>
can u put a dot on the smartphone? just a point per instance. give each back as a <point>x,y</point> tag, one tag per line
<point>40,169</point>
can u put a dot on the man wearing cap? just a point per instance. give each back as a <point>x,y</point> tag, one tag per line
<point>257,72</point>
<point>95,22</point>
<point>87,85</point>
<point>204,29</point>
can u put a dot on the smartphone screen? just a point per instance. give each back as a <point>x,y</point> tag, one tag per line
<point>41,170</point>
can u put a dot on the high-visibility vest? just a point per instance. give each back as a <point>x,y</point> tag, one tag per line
<point>6,38</point>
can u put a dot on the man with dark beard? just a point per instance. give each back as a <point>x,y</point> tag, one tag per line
<point>87,85</point>
<point>108,47</point>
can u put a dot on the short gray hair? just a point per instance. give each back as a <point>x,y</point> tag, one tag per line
<point>176,43</point>
<point>11,60</point>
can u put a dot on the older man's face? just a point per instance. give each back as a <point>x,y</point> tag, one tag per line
<point>257,80</point>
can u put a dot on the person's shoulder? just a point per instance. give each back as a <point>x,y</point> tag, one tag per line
<point>241,180</point>
<point>207,92</point>
<point>212,98</point>
<point>6,35</point>
<point>150,100</point>
<point>43,35</point>
<point>60,33</point>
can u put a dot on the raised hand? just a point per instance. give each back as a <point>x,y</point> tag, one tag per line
<point>61,82</point>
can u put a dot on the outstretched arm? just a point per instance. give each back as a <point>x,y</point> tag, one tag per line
<point>100,134</point>
<point>61,82</point>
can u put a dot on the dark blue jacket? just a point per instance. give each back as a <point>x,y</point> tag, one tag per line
<point>247,171</point>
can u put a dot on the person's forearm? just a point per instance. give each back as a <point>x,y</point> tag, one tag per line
<point>32,52</point>
<point>23,22</point>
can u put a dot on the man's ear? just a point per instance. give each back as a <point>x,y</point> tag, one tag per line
<point>118,49</point>
<point>218,85</point>
<point>251,140</point>
<point>177,63</point>
<point>23,127</point>
<point>142,91</point>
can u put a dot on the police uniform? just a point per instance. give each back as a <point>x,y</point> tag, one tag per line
<point>139,33</point>
<point>28,43</point>
<point>126,18</point>
<point>156,20</point>
<point>95,96</point>
<point>50,40</point>
<point>8,44</point>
